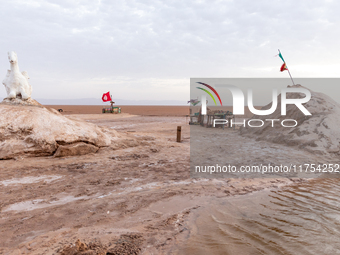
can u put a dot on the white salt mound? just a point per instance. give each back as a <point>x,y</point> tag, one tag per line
<point>318,133</point>
<point>32,130</point>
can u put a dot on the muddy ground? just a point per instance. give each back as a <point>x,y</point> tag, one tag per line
<point>134,197</point>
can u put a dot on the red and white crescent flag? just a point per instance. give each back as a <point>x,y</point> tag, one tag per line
<point>106,97</point>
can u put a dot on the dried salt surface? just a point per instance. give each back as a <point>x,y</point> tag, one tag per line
<point>149,186</point>
<point>318,133</point>
<point>40,203</point>
<point>31,179</point>
<point>228,147</point>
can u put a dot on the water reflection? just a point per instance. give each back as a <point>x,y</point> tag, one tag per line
<point>299,219</point>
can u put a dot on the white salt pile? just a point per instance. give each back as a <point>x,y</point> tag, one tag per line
<point>318,133</point>
<point>28,129</point>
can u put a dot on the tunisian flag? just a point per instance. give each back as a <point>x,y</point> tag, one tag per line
<point>106,97</point>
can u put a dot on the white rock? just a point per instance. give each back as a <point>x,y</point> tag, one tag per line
<point>38,131</point>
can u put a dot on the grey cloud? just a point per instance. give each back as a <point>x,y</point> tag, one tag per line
<point>76,42</point>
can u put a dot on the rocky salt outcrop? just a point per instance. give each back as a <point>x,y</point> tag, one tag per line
<point>29,129</point>
<point>18,101</point>
<point>318,133</point>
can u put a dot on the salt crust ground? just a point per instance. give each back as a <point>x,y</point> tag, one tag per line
<point>135,195</point>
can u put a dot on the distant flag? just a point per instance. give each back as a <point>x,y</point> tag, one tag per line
<point>284,67</point>
<point>106,97</point>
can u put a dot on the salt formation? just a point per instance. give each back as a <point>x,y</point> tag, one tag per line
<point>29,129</point>
<point>38,131</point>
<point>318,133</point>
<point>16,83</point>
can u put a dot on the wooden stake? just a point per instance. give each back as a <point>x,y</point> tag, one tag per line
<point>179,130</point>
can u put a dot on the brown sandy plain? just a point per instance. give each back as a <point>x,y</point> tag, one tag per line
<point>159,110</point>
<point>135,198</point>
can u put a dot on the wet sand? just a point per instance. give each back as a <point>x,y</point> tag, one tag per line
<point>295,219</point>
<point>135,196</point>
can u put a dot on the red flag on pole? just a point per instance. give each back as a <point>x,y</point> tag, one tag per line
<point>106,97</point>
<point>283,67</point>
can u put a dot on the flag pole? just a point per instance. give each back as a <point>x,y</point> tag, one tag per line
<point>288,70</point>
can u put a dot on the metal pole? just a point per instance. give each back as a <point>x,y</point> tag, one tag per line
<point>290,75</point>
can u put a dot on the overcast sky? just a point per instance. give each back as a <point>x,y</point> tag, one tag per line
<point>149,49</point>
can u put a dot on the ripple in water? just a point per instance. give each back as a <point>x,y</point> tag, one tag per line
<point>299,219</point>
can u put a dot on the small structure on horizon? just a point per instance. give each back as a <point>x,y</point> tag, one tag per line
<point>108,98</point>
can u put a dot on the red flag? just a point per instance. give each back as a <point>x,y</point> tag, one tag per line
<point>106,97</point>
<point>283,67</point>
